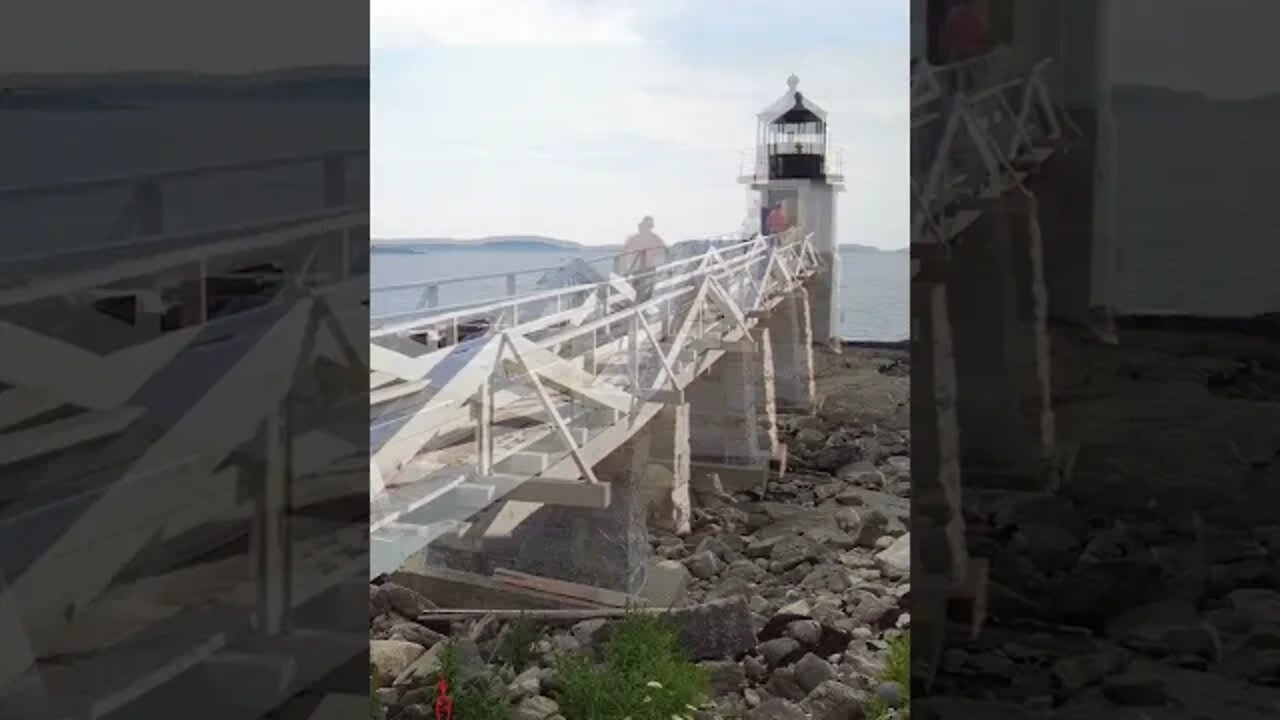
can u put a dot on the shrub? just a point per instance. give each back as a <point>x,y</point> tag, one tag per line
<point>646,675</point>
<point>517,645</point>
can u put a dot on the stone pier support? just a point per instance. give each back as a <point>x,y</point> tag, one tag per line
<point>939,554</point>
<point>606,548</point>
<point>666,476</point>
<point>791,332</point>
<point>733,416</point>
<point>997,302</point>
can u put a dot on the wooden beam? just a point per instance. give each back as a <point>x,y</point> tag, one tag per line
<point>583,466</point>
<point>62,434</point>
<point>571,493</point>
<point>587,593</point>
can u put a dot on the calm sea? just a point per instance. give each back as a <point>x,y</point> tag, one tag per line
<point>873,286</point>
<point>48,147</point>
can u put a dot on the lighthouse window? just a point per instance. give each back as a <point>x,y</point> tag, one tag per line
<point>805,138</point>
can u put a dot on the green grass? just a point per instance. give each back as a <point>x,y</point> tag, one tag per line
<point>897,669</point>
<point>646,675</point>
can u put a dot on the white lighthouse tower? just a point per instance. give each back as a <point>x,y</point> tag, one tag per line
<point>794,167</point>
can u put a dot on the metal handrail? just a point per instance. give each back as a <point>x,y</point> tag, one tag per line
<point>741,282</point>
<point>422,317</point>
<point>978,113</point>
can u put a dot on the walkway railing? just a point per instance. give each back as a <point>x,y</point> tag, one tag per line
<point>978,126</point>
<point>143,364</point>
<point>557,380</point>
<point>422,297</point>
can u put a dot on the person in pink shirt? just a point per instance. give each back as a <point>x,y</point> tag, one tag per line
<point>965,33</point>
<point>642,253</point>
<point>776,222</point>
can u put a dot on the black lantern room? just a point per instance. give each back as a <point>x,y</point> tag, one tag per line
<point>796,141</point>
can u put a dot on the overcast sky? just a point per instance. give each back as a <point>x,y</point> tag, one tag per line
<point>574,118</point>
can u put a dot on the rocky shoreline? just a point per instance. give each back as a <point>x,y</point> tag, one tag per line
<point>794,596</point>
<point>1146,586</point>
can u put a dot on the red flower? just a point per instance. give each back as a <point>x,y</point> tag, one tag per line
<point>444,703</point>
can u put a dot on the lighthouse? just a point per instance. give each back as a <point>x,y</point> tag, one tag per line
<point>794,167</point>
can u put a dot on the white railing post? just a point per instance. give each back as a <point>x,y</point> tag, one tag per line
<point>483,413</point>
<point>430,297</point>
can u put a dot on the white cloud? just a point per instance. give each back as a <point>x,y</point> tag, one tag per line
<point>519,23</point>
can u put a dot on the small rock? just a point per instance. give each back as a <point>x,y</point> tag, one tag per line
<point>389,658</point>
<point>716,629</point>
<point>405,602</point>
<point>388,696</point>
<point>779,650</point>
<point>782,683</point>
<point>850,498</point>
<point>590,633</point>
<point>812,671</point>
<point>833,537</point>
<point>895,561</point>
<point>715,546</point>
<point>890,694</point>
<point>726,676</point>
<point>416,711</point>
<point>811,438</point>
<point>703,565</point>
<point>536,708</point>
<point>799,607</point>
<point>762,548</point>
<point>873,526</point>
<point>791,552</point>
<point>751,698</point>
<point>1135,690</point>
<point>833,700</point>
<point>807,632</point>
<point>777,709</point>
<point>415,633</point>
<point>754,668</point>
<point>1073,674</point>
<point>527,683</point>
<point>1255,606</point>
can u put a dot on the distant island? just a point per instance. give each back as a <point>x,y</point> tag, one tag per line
<point>855,247</point>
<point>123,90</point>
<point>497,242</point>
<point>534,243</point>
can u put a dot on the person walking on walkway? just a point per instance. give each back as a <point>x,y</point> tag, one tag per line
<point>777,220</point>
<point>642,253</point>
<point>965,33</point>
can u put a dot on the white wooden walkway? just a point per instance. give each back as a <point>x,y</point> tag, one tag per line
<point>556,381</point>
<point>140,364</point>
<point>984,127</point>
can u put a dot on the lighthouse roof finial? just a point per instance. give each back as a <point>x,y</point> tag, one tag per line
<point>793,82</point>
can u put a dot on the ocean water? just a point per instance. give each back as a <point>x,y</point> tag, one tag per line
<point>52,147</point>
<point>874,295</point>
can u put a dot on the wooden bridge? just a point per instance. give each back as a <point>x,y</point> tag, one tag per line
<point>473,435</point>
